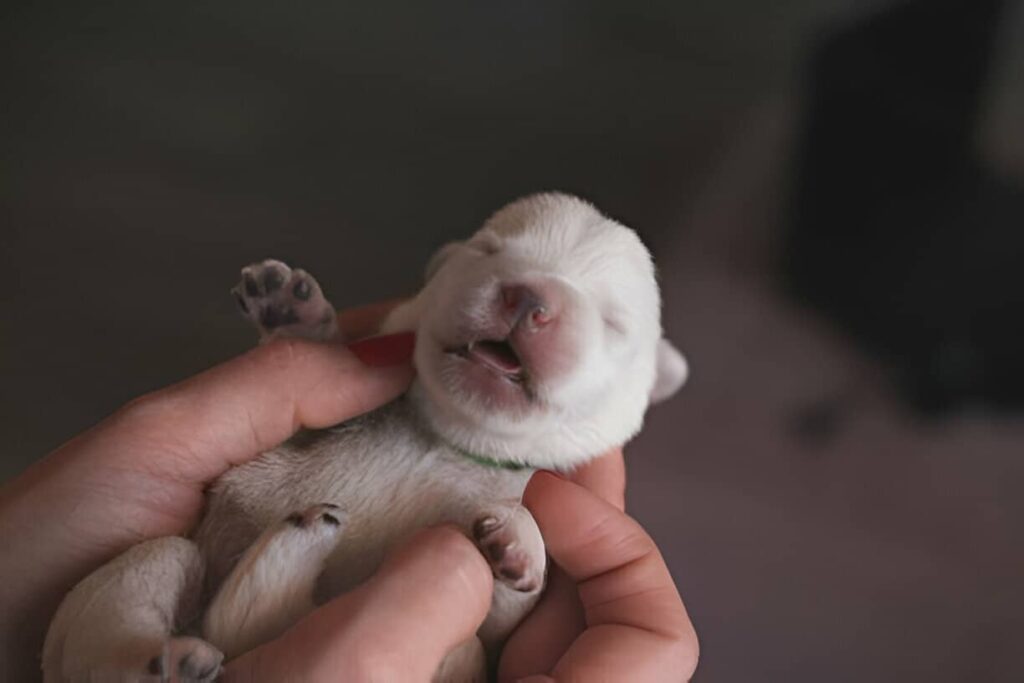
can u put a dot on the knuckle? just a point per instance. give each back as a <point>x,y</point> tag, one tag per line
<point>622,538</point>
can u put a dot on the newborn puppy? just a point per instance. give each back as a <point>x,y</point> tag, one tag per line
<point>538,345</point>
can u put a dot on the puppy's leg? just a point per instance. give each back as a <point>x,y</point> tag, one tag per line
<point>117,624</point>
<point>511,542</point>
<point>282,302</point>
<point>271,587</point>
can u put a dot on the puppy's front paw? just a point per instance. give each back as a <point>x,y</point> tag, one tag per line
<point>186,660</point>
<point>284,302</point>
<point>513,547</point>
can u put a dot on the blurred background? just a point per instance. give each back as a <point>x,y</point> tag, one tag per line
<point>832,190</point>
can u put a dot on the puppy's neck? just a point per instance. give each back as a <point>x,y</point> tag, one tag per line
<point>485,450</point>
<point>487,461</point>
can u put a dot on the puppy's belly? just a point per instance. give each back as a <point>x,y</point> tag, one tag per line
<point>458,492</point>
<point>379,522</point>
<point>387,489</point>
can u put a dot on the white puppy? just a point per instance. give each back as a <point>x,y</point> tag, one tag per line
<point>538,346</point>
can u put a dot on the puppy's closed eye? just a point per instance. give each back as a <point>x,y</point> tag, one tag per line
<point>615,322</point>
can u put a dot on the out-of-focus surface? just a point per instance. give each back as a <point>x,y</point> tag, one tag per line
<point>818,530</point>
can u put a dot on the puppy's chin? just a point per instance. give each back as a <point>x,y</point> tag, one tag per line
<point>477,384</point>
<point>481,409</point>
<point>488,389</point>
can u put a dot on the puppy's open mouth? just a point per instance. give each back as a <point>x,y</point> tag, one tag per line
<point>496,355</point>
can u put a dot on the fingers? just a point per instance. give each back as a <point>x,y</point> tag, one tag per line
<point>231,412</point>
<point>429,597</point>
<point>195,430</point>
<point>605,476</point>
<point>637,627</point>
<point>140,473</point>
<point>546,633</point>
<point>551,627</point>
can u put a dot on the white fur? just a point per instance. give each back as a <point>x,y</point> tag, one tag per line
<point>400,468</point>
<point>99,635</point>
<point>601,403</point>
<point>235,622</point>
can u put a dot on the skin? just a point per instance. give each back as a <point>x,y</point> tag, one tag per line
<point>611,611</point>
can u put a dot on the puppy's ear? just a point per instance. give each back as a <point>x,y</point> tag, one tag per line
<point>672,371</point>
<point>439,258</point>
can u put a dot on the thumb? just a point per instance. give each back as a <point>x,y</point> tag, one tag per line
<point>195,430</point>
<point>426,599</point>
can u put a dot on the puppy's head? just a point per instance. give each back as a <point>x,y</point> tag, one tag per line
<point>539,338</point>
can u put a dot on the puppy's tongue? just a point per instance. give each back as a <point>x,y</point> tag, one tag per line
<point>498,355</point>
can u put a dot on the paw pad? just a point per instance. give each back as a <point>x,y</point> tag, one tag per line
<point>509,562</point>
<point>275,297</point>
<point>186,659</point>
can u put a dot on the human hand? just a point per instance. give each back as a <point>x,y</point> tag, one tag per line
<point>141,473</point>
<point>630,625</point>
<point>427,598</point>
<point>611,611</point>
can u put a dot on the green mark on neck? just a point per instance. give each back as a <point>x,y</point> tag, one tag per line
<point>490,462</point>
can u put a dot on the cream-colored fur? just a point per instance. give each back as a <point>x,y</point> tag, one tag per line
<point>315,516</point>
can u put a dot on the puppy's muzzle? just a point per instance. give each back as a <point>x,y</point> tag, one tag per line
<point>530,306</point>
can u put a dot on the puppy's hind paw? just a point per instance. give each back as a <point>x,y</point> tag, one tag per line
<point>186,660</point>
<point>282,302</point>
<point>515,558</point>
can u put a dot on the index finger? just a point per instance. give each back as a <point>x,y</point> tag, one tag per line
<point>637,627</point>
<point>428,597</point>
<point>605,476</point>
<point>557,619</point>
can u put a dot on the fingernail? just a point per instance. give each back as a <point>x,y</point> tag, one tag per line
<point>392,349</point>
<point>556,475</point>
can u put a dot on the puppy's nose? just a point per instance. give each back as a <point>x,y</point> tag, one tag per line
<point>523,304</point>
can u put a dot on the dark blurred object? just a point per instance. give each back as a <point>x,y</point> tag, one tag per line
<point>898,233</point>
